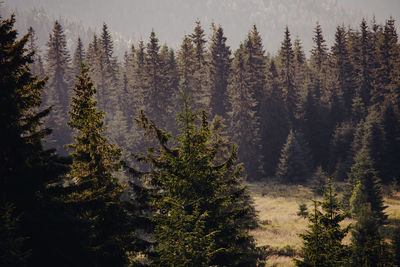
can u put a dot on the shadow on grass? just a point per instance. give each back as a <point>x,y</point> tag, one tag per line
<point>388,230</point>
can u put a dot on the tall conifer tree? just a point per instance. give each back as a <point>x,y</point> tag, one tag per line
<point>58,88</point>
<point>286,66</point>
<point>219,69</point>
<point>95,195</point>
<point>204,214</point>
<point>245,122</point>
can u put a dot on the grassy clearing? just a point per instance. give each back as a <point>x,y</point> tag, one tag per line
<point>280,226</point>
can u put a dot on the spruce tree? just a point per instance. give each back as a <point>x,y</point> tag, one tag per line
<point>37,65</point>
<point>387,56</point>
<point>396,246</point>
<point>342,69</point>
<point>79,56</point>
<point>368,247</point>
<point>245,121</point>
<point>390,168</point>
<point>109,95</point>
<point>201,96</point>
<point>369,190</point>
<point>318,63</point>
<point>186,67</point>
<point>198,39</point>
<point>156,94</point>
<point>295,162</point>
<point>323,242</point>
<point>95,195</point>
<point>364,63</point>
<point>29,234</point>
<point>256,67</point>
<point>287,77</point>
<point>219,70</point>
<point>139,86</point>
<point>274,121</point>
<point>57,92</point>
<point>203,212</point>
<point>300,64</point>
<point>317,132</point>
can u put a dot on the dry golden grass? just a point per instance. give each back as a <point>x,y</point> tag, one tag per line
<point>280,226</point>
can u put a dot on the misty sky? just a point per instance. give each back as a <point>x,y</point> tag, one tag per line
<point>171,19</point>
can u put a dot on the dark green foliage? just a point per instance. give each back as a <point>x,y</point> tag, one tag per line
<point>219,69</point>
<point>341,156</point>
<point>367,187</point>
<point>295,162</point>
<point>318,181</point>
<point>274,122</point>
<point>157,93</point>
<point>26,169</point>
<point>204,213</point>
<point>323,241</point>
<point>95,195</point>
<point>316,128</point>
<point>390,168</point>
<point>245,121</point>
<point>396,246</point>
<point>287,77</point>
<point>201,90</point>
<point>368,246</point>
<point>12,251</point>
<point>303,211</point>
<point>342,70</point>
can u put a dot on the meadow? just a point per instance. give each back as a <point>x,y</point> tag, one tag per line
<point>280,226</point>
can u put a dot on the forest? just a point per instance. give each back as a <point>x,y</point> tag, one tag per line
<point>148,160</point>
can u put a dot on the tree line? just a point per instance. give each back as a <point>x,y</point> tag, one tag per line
<point>294,120</point>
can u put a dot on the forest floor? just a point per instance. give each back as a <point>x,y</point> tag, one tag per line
<point>280,226</point>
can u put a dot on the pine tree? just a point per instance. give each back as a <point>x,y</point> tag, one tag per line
<point>323,241</point>
<point>203,212</point>
<point>219,69</point>
<point>95,195</point>
<point>295,163</point>
<point>58,88</point>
